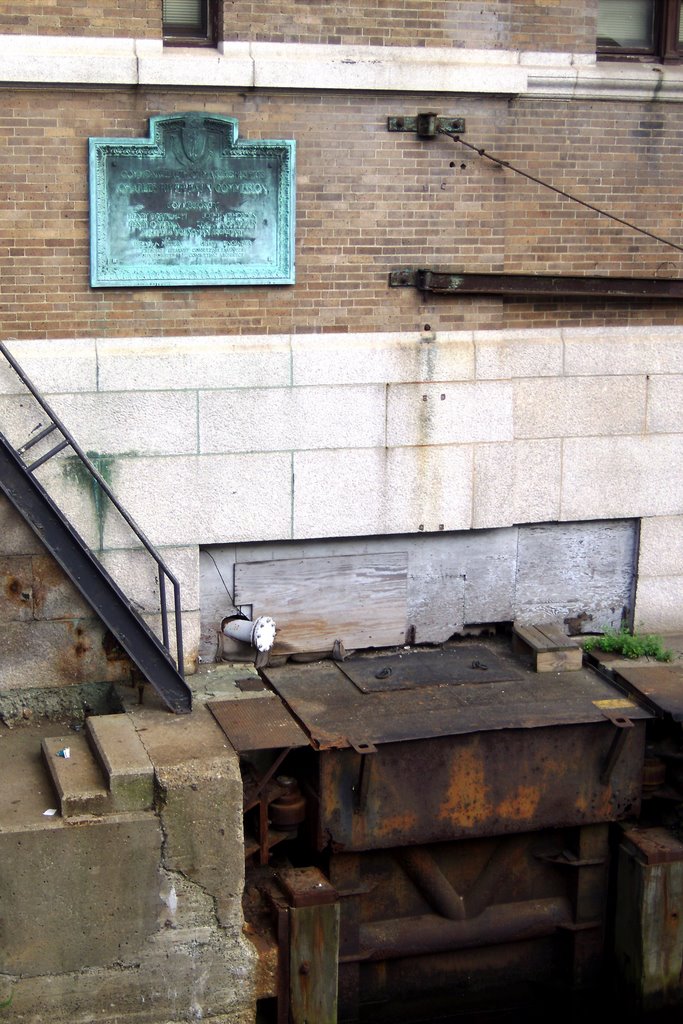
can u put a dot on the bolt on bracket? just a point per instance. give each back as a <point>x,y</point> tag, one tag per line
<point>426,125</point>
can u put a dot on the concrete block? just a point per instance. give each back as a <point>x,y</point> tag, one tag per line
<point>283,419</point>
<point>665,405</point>
<point>136,573</point>
<point>162,364</point>
<point>349,493</point>
<point>504,354</point>
<point>125,763</point>
<point>661,546</point>
<point>611,477</point>
<point>16,588</point>
<point>382,358</point>
<point>188,500</point>
<point>69,364</point>
<point>659,604</point>
<point>618,351</point>
<point>140,422</point>
<point>76,776</point>
<point>576,408</point>
<point>433,414</point>
<point>78,897</point>
<point>201,802</point>
<point>516,483</point>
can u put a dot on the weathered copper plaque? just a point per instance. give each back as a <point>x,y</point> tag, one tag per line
<point>191,205</point>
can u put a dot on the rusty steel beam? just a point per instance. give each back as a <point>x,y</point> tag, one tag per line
<point>429,933</point>
<point>537,285</point>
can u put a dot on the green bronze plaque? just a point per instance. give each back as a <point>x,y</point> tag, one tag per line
<point>191,205</point>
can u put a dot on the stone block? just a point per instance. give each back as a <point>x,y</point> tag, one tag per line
<point>17,536</point>
<point>139,423</point>
<point>136,573</point>
<point>610,477</point>
<point>188,500</point>
<point>382,358</point>
<point>54,595</point>
<point>619,351</point>
<point>58,654</point>
<point>661,546</point>
<point>403,68</point>
<point>127,768</point>
<point>191,631</point>
<point>505,354</point>
<point>284,419</point>
<point>401,490</point>
<point>160,364</point>
<point>435,414</point>
<point>16,589</point>
<point>578,407</point>
<point>665,405</point>
<point>21,417</point>
<point>233,67</point>
<point>516,483</point>
<point>79,498</point>
<point>659,604</point>
<point>68,365</point>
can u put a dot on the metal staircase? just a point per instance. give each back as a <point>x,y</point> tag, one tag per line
<point>151,655</point>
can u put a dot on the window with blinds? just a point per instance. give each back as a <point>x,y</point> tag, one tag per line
<point>187,20</point>
<point>627,24</point>
<point>640,29</point>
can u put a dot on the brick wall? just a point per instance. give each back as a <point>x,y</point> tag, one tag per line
<point>507,24</point>
<point>540,24</point>
<point>367,202</point>
<point>77,18</point>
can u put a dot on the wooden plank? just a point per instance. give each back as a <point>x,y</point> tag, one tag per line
<point>358,599</point>
<point>551,650</point>
<point>314,958</point>
<point>559,661</point>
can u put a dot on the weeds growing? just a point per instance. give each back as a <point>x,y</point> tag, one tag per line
<point>630,645</point>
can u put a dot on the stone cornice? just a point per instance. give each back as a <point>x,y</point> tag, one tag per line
<point>77,61</point>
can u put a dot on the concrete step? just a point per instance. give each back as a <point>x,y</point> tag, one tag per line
<point>78,780</point>
<point>124,761</point>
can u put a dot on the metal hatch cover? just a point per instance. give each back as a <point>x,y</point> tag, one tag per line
<point>410,670</point>
<point>333,710</point>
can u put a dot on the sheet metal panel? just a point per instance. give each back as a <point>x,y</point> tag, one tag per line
<point>334,711</point>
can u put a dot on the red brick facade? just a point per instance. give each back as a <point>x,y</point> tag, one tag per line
<point>368,202</point>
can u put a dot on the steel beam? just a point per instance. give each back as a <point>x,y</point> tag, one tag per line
<point>556,286</point>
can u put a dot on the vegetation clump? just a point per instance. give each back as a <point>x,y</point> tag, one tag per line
<point>630,645</point>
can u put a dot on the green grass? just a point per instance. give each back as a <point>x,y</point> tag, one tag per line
<point>630,645</point>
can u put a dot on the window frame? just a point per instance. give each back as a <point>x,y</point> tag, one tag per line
<point>666,49</point>
<point>183,35</point>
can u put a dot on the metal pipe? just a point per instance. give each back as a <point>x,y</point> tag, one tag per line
<point>421,867</point>
<point>505,922</point>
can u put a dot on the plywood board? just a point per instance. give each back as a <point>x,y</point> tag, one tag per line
<point>359,599</point>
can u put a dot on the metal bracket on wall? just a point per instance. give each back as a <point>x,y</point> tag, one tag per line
<point>426,125</point>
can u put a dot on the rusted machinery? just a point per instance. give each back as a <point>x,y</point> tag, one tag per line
<point>447,814</point>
